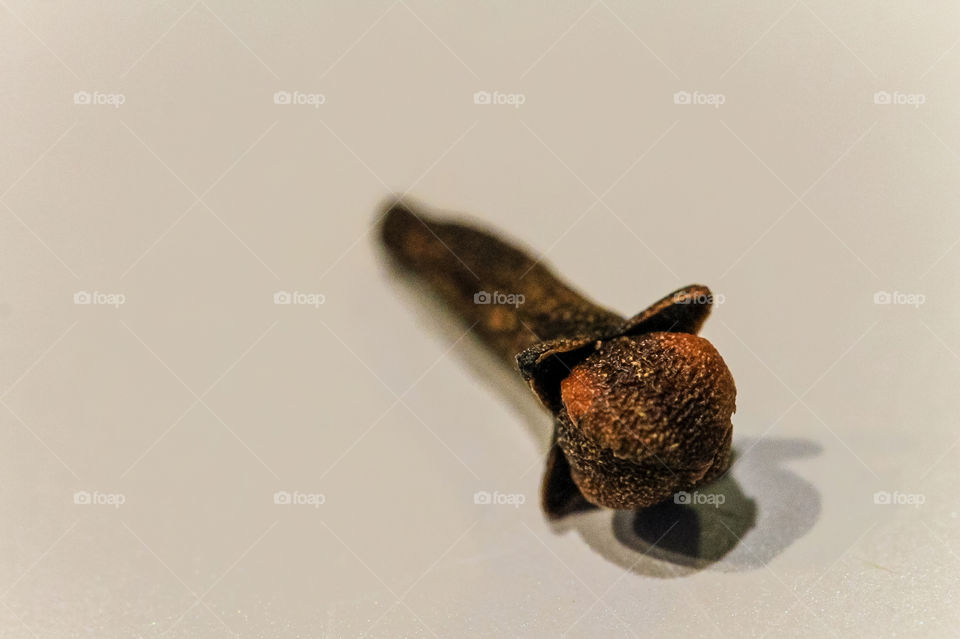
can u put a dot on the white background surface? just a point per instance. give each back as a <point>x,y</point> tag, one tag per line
<point>797,200</point>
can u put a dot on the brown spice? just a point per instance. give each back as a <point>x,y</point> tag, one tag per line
<point>642,406</point>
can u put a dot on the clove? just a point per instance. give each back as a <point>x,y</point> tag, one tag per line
<point>641,405</point>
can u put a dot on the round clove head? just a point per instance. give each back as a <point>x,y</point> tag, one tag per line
<point>646,416</point>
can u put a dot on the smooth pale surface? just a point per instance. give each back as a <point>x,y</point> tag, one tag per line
<point>197,399</point>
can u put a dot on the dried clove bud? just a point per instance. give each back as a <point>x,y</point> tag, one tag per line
<point>642,406</point>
